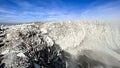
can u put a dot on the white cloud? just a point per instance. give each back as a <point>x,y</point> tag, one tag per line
<point>6,11</point>
<point>23,4</point>
<point>110,11</point>
<point>36,13</point>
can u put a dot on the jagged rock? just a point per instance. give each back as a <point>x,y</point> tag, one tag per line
<point>2,35</point>
<point>14,61</point>
<point>1,32</point>
<point>2,44</point>
<point>2,28</point>
<point>1,40</point>
<point>34,49</point>
<point>1,64</point>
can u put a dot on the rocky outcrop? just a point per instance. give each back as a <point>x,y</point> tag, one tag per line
<point>31,49</point>
<point>2,36</point>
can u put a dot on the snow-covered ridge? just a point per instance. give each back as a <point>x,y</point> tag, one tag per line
<point>99,41</point>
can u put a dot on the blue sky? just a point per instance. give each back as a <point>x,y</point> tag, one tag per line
<point>14,11</point>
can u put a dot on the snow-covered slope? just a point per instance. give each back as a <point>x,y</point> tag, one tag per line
<point>99,41</point>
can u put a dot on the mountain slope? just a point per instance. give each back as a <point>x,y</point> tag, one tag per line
<point>81,43</point>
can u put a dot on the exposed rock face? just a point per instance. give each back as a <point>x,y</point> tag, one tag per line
<point>30,49</point>
<point>2,36</point>
<point>60,45</point>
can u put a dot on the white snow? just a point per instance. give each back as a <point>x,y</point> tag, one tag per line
<point>48,40</point>
<point>98,41</point>
<point>5,52</point>
<point>21,55</point>
<point>43,31</point>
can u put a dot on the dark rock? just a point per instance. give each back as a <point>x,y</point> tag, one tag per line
<point>2,35</point>
<point>33,51</point>
<point>2,44</point>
